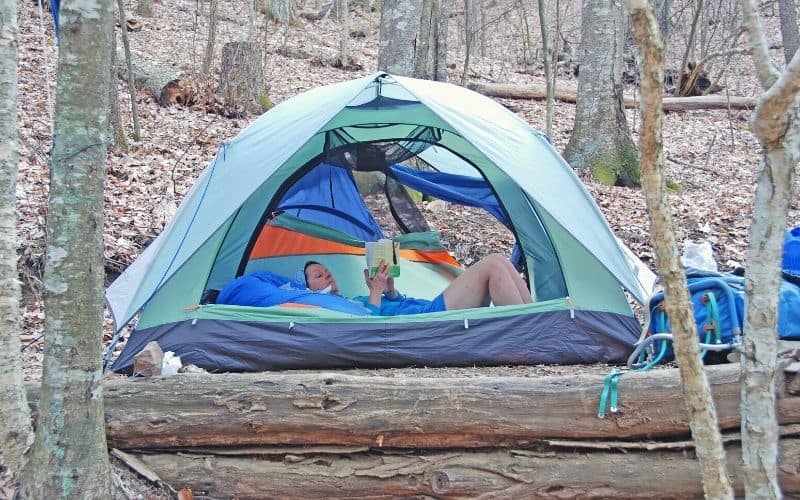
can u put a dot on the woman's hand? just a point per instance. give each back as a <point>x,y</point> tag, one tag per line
<point>379,283</point>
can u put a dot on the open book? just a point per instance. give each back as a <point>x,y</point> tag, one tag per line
<point>383,249</point>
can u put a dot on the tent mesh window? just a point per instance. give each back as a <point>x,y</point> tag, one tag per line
<point>399,209</point>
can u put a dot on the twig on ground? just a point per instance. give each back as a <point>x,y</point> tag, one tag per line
<point>678,161</point>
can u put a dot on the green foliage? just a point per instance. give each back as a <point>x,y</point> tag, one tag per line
<point>675,186</point>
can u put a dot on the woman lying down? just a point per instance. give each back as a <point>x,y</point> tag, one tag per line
<point>491,280</point>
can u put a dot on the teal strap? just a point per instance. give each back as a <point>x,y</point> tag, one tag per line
<point>609,388</point>
<point>613,407</point>
<point>713,309</point>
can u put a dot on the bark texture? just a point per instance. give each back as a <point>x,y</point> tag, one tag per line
<point>413,36</point>
<point>69,458</point>
<point>115,125</point>
<point>775,124</point>
<point>242,78</point>
<point>430,53</point>
<point>398,33</point>
<point>343,14</point>
<point>789,30</point>
<point>15,433</point>
<point>454,474</point>
<point>696,389</point>
<point>137,133</point>
<point>208,56</point>
<point>350,410</point>
<point>600,138</point>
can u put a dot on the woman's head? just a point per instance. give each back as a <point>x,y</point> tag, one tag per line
<point>318,277</point>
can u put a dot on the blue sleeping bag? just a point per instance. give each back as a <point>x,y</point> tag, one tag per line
<point>265,289</point>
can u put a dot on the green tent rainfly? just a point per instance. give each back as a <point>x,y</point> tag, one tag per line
<point>579,270</point>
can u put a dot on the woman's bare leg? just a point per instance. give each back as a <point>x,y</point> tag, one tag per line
<point>524,292</point>
<point>492,279</point>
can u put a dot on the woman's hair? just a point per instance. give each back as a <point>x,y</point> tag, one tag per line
<point>305,267</point>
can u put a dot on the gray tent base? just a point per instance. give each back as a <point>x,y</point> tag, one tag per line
<point>543,338</point>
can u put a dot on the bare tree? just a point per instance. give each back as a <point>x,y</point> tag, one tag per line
<point>208,57</point>
<point>679,87</point>
<point>16,434</point>
<point>472,32</point>
<point>343,13</point>
<point>430,58</point>
<point>137,133</point>
<point>775,124</point>
<point>119,137</point>
<point>600,138</point>
<point>696,390</point>
<point>550,83</point>
<point>69,458</point>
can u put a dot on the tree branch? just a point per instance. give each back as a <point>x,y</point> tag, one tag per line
<point>695,385</point>
<point>765,68</point>
<point>771,120</point>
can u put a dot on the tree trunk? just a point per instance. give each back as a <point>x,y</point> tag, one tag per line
<point>696,388</point>
<point>413,38</point>
<point>352,410</point>
<point>343,13</point>
<point>116,127</point>
<point>69,458</point>
<point>282,11</point>
<point>400,24</point>
<point>16,434</point>
<point>137,133</point>
<point>144,8</point>
<point>430,53</point>
<point>242,78</point>
<point>600,138</point>
<point>208,57</point>
<point>549,82</point>
<point>454,474</point>
<point>789,31</point>
<point>472,31</point>
<point>251,20</point>
<point>776,126</point>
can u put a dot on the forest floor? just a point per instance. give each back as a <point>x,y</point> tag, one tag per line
<point>712,156</point>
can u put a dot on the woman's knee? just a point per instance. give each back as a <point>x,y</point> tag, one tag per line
<point>495,259</point>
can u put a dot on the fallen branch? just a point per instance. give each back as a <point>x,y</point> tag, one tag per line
<point>570,95</point>
<point>683,163</point>
<point>164,82</point>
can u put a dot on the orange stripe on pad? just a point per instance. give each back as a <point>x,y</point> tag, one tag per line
<point>276,241</point>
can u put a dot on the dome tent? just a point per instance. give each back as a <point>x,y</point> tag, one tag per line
<point>578,269</point>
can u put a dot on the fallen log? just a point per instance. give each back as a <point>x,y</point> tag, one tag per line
<point>163,82</point>
<point>290,408</point>
<point>570,95</point>
<point>458,474</point>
